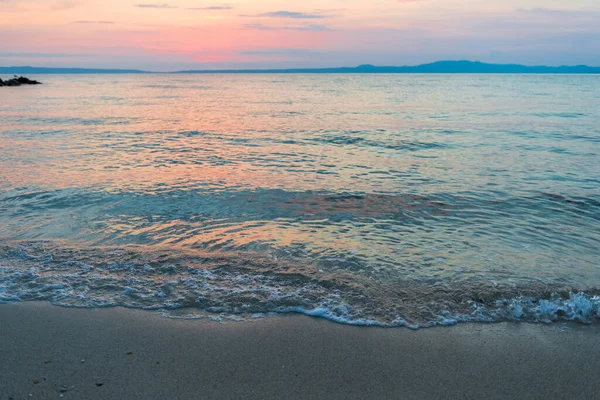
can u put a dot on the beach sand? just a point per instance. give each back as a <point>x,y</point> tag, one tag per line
<point>131,354</point>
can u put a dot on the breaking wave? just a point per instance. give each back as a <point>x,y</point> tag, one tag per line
<point>237,287</point>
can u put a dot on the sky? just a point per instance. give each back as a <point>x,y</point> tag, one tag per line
<point>166,35</point>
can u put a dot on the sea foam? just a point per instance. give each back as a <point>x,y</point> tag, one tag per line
<point>225,293</point>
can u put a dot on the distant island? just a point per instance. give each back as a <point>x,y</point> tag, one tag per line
<point>43,70</point>
<point>439,67</point>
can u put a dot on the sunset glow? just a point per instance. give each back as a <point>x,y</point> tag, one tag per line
<point>181,34</point>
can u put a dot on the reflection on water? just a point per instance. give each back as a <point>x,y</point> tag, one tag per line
<point>392,178</point>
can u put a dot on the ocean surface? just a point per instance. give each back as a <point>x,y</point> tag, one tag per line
<point>390,200</point>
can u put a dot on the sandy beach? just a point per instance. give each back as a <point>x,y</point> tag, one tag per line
<point>52,352</point>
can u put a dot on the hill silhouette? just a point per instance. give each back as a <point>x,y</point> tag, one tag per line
<point>439,67</point>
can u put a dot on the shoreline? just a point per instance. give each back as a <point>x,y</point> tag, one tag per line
<point>284,356</point>
<point>253,283</point>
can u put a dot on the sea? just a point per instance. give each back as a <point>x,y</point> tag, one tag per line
<point>377,199</point>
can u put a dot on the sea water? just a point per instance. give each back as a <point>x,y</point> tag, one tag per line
<point>391,200</point>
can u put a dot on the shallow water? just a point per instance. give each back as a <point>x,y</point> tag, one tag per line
<point>372,199</point>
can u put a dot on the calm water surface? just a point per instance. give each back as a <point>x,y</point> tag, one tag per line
<point>369,199</point>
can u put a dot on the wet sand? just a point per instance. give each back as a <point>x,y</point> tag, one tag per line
<point>48,352</point>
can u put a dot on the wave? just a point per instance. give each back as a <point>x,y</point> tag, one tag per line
<point>238,286</point>
<point>401,145</point>
<point>68,121</point>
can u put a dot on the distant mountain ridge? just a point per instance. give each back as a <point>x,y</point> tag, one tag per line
<point>439,67</point>
<point>43,70</point>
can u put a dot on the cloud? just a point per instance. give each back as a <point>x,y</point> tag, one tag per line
<point>558,14</point>
<point>38,5</point>
<point>550,11</point>
<point>309,28</point>
<point>279,52</point>
<point>94,22</point>
<point>303,28</point>
<point>288,14</point>
<point>155,6</point>
<point>533,23</point>
<point>212,8</point>
<point>43,55</point>
<point>64,5</point>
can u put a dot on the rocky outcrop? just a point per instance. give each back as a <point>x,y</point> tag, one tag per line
<point>18,81</point>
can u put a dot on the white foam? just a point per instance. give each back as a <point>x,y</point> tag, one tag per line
<point>235,296</point>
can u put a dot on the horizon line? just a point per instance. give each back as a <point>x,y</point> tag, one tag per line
<point>442,66</point>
